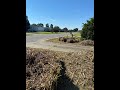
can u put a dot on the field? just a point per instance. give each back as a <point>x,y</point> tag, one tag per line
<point>53,70</point>
<point>43,33</point>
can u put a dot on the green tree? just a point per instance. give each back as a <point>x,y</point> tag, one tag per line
<point>56,29</point>
<point>27,23</point>
<point>75,30</point>
<point>40,24</point>
<point>87,32</point>
<point>47,25</point>
<point>34,24</point>
<point>65,29</point>
<point>51,27</point>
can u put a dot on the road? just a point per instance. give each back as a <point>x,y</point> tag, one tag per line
<point>39,41</point>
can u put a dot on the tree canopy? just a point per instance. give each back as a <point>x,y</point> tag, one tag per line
<point>88,30</point>
<point>27,23</point>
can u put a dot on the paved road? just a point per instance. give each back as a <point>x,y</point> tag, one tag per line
<point>39,41</point>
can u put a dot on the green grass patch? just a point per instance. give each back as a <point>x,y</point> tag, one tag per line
<point>45,33</point>
<point>77,34</point>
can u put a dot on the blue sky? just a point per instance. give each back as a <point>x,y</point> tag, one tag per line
<point>63,13</point>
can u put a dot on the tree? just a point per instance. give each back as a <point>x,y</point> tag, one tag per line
<point>51,27</point>
<point>33,24</point>
<point>27,23</point>
<point>40,24</point>
<point>56,29</point>
<point>47,29</point>
<point>47,25</point>
<point>65,29</point>
<point>87,32</point>
<point>75,30</point>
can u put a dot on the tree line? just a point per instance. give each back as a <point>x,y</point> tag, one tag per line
<point>49,28</point>
<point>87,32</point>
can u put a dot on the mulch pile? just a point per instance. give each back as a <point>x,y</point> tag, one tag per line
<point>43,69</point>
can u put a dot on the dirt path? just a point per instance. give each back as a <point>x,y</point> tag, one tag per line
<point>39,41</point>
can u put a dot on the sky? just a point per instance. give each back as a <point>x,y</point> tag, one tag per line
<point>62,13</point>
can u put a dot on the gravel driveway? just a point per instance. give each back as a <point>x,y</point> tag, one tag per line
<point>39,41</point>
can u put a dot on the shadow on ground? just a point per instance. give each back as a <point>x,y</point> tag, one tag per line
<point>64,82</point>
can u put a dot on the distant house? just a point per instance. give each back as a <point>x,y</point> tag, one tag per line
<point>36,28</point>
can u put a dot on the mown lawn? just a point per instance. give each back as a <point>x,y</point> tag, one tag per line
<point>44,33</point>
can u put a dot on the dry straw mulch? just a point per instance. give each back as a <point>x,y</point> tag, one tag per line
<point>79,68</point>
<point>41,70</point>
<point>87,43</point>
<point>75,41</point>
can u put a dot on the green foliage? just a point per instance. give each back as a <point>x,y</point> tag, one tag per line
<point>27,23</point>
<point>87,32</point>
<point>65,29</point>
<point>40,24</point>
<point>51,27</point>
<point>56,29</point>
<point>47,25</point>
<point>34,24</point>
<point>75,30</point>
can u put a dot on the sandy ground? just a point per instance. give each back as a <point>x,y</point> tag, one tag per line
<point>39,41</point>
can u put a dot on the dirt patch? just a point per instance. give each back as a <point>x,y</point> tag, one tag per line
<point>60,70</point>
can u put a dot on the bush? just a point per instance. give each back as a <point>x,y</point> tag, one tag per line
<point>56,29</point>
<point>87,32</point>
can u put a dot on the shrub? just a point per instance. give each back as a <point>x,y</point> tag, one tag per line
<point>56,29</point>
<point>87,32</point>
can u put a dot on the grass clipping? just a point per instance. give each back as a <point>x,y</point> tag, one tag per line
<point>87,43</point>
<point>41,70</point>
<point>79,68</point>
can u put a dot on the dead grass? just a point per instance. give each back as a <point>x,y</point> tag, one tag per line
<point>79,68</point>
<point>41,70</point>
<point>87,43</point>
